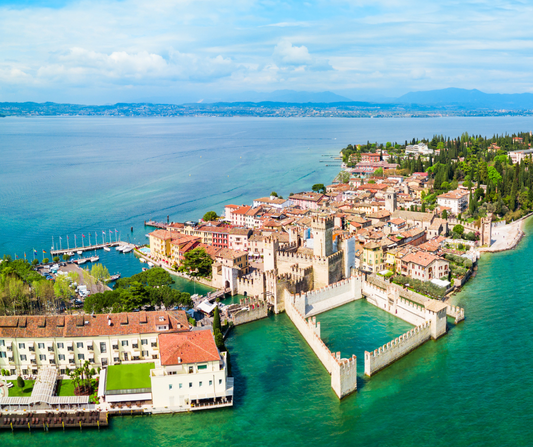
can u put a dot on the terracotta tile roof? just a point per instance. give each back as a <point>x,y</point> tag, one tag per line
<point>92,325</point>
<point>189,347</point>
<point>162,234</point>
<point>421,258</point>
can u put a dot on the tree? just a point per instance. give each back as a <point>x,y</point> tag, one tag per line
<point>274,194</point>
<point>62,288</point>
<point>46,261</point>
<point>319,187</point>
<point>459,229</point>
<point>82,378</point>
<point>378,172</point>
<point>216,320</point>
<point>343,176</point>
<point>55,259</point>
<point>445,214</point>
<point>66,257</point>
<point>35,262</point>
<point>197,262</point>
<point>45,293</point>
<point>210,216</point>
<point>20,382</point>
<point>100,274</point>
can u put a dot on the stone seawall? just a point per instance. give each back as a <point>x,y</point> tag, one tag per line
<point>253,311</point>
<point>397,348</point>
<point>343,371</point>
<point>455,312</point>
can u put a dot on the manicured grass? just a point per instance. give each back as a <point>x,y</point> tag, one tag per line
<point>65,388</point>
<point>127,377</point>
<point>15,391</point>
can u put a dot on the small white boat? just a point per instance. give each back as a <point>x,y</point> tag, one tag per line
<point>127,250</point>
<point>79,252</point>
<point>119,247</point>
<point>81,261</point>
<point>95,259</point>
<point>150,264</point>
<point>144,269</point>
<point>107,249</point>
<point>142,259</point>
<point>70,253</point>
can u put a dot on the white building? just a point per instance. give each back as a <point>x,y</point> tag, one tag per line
<point>418,149</point>
<point>191,372</point>
<point>457,200</point>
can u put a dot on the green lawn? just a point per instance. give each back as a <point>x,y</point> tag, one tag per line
<point>65,388</point>
<point>15,391</point>
<point>129,377</point>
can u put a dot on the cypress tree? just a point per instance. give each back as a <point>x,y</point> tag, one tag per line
<point>216,320</point>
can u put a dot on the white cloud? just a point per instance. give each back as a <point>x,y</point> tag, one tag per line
<point>290,54</point>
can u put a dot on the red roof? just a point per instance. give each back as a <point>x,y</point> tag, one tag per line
<point>188,347</point>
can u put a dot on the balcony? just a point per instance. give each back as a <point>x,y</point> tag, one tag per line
<point>70,348</point>
<point>52,362</point>
<point>135,346</point>
<point>10,348</point>
<point>33,362</point>
<point>115,347</point>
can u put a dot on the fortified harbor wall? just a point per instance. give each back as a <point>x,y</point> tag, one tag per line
<point>343,371</point>
<point>253,309</point>
<point>397,348</point>
<point>329,297</point>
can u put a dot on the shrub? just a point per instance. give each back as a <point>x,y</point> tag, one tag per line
<point>192,321</point>
<point>20,382</point>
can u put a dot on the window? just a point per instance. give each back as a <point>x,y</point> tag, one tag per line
<point>220,381</point>
<point>144,342</point>
<point>60,345</point>
<point>155,356</point>
<point>63,371</point>
<point>202,367</point>
<point>145,353</point>
<point>40,345</point>
<point>210,383</point>
<point>2,343</point>
<point>169,386</point>
<point>116,359</point>
<point>124,342</point>
<point>81,356</point>
<point>23,357</point>
<point>103,347</point>
<point>24,371</point>
<point>61,356</point>
<point>104,362</point>
<point>79,344</point>
<point>191,369</point>
<point>42,357</point>
<point>2,355</point>
<point>181,384</point>
<point>200,383</point>
<point>22,346</point>
<point>190,384</point>
<point>125,356</point>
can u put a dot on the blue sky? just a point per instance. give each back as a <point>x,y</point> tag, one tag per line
<point>109,51</point>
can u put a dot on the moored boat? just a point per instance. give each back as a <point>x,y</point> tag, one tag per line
<point>79,252</point>
<point>107,249</point>
<point>127,249</point>
<point>95,259</point>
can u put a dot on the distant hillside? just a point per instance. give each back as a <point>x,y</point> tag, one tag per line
<point>469,99</point>
<point>289,96</point>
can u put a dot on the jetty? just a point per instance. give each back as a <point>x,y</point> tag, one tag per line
<point>88,248</point>
<point>33,420</point>
<point>153,223</point>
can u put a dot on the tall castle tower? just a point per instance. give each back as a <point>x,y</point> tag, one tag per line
<point>270,253</point>
<point>322,228</point>
<point>390,202</point>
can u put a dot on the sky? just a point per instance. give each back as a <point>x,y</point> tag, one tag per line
<point>175,51</point>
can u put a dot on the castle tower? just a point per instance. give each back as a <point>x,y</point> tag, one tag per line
<point>322,228</point>
<point>486,230</point>
<point>270,252</point>
<point>390,202</point>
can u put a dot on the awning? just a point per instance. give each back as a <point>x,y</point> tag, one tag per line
<point>49,344</point>
<point>70,344</point>
<point>153,340</point>
<point>114,342</point>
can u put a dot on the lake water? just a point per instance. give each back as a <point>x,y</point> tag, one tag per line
<point>472,387</point>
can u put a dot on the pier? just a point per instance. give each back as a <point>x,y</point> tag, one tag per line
<point>152,223</point>
<point>88,248</point>
<point>32,420</point>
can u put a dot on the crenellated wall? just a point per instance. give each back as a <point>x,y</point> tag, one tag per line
<point>397,348</point>
<point>253,309</point>
<point>343,371</point>
<point>329,297</point>
<point>455,312</point>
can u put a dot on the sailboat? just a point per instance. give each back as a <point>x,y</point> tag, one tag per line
<point>95,258</point>
<point>107,248</point>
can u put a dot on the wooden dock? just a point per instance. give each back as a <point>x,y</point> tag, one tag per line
<point>53,419</point>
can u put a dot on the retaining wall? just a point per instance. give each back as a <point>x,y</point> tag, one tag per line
<point>397,348</point>
<point>343,371</point>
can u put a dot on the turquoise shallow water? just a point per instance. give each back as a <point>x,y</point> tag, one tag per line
<point>472,387</point>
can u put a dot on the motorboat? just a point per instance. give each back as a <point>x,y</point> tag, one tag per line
<point>95,259</point>
<point>150,264</point>
<point>119,247</point>
<point>107,249</point>
<point>81,261</point>
<point>70,253</point>
<point>113,277</point>
<point>127,249</point>
<point>142,259</point>
<point>79,252</point>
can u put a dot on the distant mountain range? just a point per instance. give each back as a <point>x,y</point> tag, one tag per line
<point>469,99</point>
<point>450,101</point>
